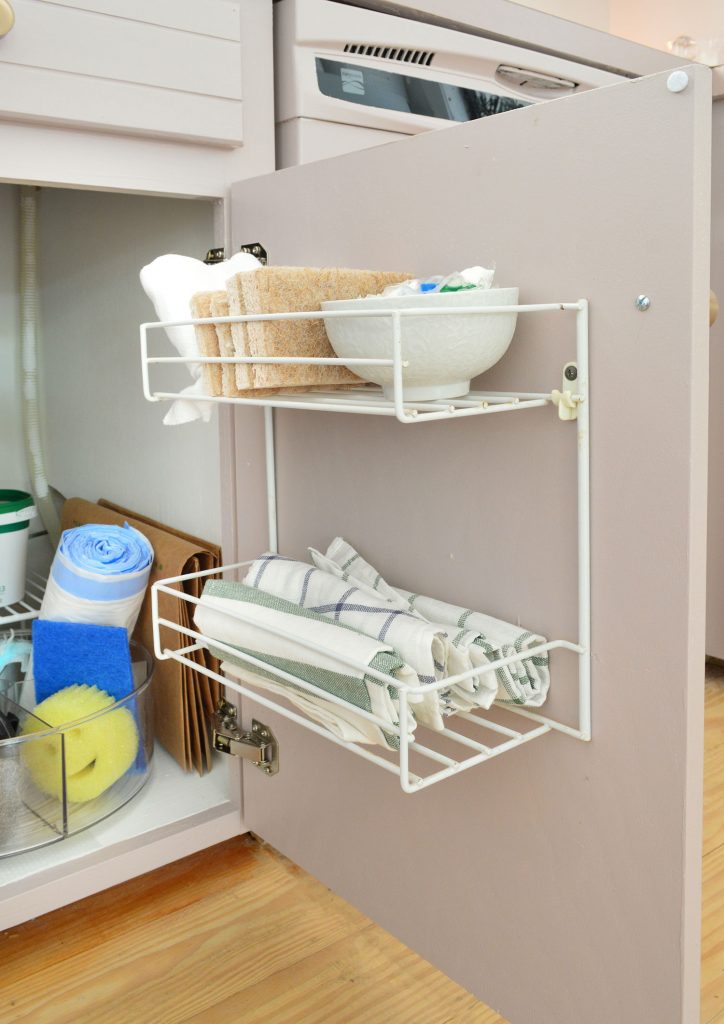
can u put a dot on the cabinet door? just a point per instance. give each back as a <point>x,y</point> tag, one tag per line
<point>170,96</point>
<point>715,560</point>
<point>560,883</point>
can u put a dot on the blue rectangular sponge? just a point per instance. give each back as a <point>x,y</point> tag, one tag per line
<point>65,653</point>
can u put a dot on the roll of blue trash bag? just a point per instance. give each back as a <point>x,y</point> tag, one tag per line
<point>99,575</point>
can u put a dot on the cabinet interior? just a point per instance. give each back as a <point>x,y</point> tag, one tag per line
<point>103,440</point>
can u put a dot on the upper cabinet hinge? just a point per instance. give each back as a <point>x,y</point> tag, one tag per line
<point>255,249</point>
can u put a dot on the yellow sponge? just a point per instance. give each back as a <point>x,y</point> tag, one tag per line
<point>97,752</point>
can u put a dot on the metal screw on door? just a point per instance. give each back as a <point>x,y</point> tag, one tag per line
<point>642,303</point>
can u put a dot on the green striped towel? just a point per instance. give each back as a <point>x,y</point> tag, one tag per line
<point>419,643</point>
<point>258,635</point>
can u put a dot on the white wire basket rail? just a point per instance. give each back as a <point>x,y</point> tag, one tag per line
<point>29,607</point>
<point>369,399</point>
<point>467,740</point>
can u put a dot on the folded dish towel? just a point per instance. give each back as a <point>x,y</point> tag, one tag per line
<point>524,682</point>
<point>275,632</point>
<point>486,639</point>
<point>99,575</point>
<point>421,646</point>
<point>475,691</point>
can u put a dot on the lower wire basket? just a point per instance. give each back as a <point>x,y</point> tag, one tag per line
<point>55,782</point>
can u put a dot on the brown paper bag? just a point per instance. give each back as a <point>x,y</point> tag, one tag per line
<point>183,697</point>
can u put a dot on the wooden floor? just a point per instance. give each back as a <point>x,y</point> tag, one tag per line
<point>245,937</point>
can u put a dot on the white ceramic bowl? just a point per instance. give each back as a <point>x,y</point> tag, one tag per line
<point>444,352</point>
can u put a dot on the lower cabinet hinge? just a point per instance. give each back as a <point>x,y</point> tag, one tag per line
<point>258,746</point>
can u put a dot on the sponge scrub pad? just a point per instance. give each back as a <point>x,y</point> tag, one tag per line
<point>97,752</point>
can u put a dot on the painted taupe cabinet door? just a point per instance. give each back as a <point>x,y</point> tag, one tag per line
<point>560,882</point>
<point>715,560</point>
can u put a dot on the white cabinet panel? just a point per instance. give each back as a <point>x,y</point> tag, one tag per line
<point>72,66</point>
<point>137,97</point>
<point>218,18</point>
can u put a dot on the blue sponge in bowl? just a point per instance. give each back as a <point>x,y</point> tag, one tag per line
<point>76,653</point>
<point>68,653</point>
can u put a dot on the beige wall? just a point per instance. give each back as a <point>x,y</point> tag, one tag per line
<point>106,439</point>
<point>650,22</point>
<point>654,22</point>
<point>13,471</point>
<point>102,437</point>
<point>594,13</point>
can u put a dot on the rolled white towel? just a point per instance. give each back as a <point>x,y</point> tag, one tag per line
<point>486,639</point>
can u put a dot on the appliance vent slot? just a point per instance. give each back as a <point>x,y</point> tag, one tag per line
<point>422,57</point>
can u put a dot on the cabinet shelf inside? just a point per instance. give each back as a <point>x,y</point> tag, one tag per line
<point>29,607</point>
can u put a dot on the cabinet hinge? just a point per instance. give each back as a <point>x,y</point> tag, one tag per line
<point>256,249</point>
<point>258,746</point>
<point>214,256</point>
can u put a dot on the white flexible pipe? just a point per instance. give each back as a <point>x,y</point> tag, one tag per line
<point>29,335</point>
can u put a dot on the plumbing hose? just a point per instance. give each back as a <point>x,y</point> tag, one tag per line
<point>29,343</point>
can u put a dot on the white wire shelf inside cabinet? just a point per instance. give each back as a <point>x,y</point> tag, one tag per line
<point>368,399</point>
<point>468,739</point>
<point>29,607</point>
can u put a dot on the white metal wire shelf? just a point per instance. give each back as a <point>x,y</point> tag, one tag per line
<point>29,607</point>
<point>367,399</point>
<point>412,747</point>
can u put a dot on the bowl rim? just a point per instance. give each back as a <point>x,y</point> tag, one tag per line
<point>409,300</point>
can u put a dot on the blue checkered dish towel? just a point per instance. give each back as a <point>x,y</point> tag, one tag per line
<point>258,635</point>
<point>422,646</point>
<point>522,683</point>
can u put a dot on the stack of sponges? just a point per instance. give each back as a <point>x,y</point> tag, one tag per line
<point>278,290</point>
<point>80,673</point>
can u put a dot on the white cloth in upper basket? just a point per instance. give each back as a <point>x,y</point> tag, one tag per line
<point>170,282</point>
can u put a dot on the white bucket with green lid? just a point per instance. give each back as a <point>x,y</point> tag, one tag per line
<point>17,508</point>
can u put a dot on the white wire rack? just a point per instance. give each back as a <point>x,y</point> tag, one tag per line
<point>463,729</point>
<point>29,607</point>
<point>439,747</point>
<point>367,399</point>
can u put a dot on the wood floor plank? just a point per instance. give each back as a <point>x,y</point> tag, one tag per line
<point>191,959</point>
<point>35,947</point>
<point>712,938</point>
<point>366,979</point>
<point>714,799</point>
<point>240,934</point>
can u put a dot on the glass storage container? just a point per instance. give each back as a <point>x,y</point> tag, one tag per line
<point>55,782</point>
